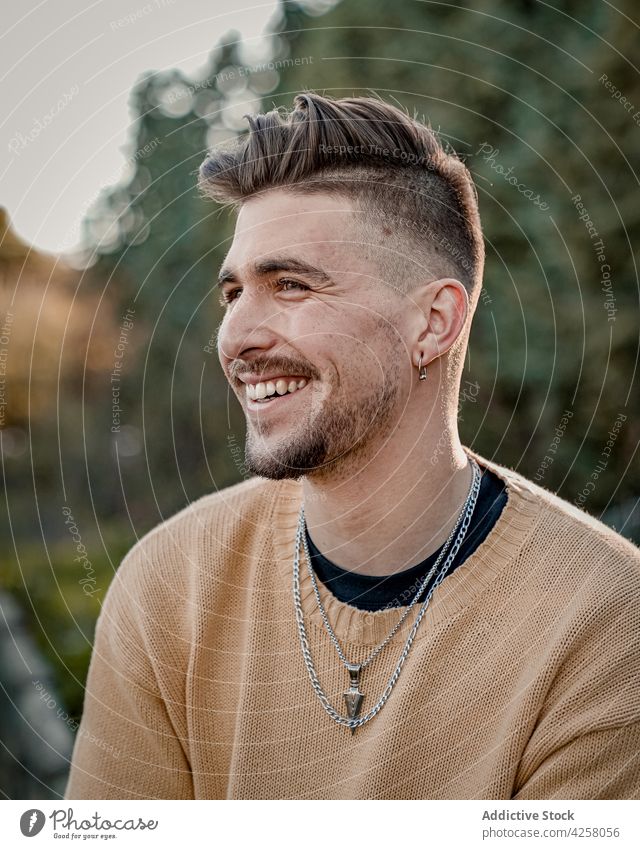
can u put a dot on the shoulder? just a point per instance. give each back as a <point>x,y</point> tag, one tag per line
<point>570,562</point>
<point>566,529</point>
<point>575,585</point>
<point>165,563</point>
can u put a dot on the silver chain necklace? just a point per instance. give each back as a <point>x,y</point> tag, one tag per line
<point>353,697</point>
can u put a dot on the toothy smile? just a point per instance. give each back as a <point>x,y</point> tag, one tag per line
<point>266,390</point>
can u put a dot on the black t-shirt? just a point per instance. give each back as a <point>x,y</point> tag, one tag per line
<point>374,592</point>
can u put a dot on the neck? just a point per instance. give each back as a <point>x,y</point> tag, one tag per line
<point>394,509</point>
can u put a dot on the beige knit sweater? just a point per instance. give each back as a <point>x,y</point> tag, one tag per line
<point>523,680</point>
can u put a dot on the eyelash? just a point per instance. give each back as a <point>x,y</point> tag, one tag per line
<point>228,297</point>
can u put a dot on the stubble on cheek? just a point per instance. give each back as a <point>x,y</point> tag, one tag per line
<point>350,404</point>
<point>290,447</point>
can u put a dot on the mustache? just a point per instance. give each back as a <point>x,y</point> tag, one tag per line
<point>263,365</point>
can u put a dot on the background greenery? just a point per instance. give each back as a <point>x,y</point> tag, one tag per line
<point>522,77</point>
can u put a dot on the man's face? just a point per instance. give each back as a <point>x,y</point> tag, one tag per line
<point>311,341</point>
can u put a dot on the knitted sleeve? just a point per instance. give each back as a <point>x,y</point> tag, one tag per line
<point>127,746</point>
<point>586,741</point>
<point>599,765</point>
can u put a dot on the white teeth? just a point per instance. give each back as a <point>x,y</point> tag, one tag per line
<point>262,390</point>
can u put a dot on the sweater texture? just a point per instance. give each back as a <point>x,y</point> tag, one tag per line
<point>522,682</point>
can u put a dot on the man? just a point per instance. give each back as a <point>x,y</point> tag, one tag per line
<point>379,612</point>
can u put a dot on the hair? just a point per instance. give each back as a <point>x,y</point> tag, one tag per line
<point>393,168</point>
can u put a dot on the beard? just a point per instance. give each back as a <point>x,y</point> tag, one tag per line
<point>330,441</point>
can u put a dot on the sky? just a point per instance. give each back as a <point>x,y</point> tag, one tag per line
<point>67,72</point>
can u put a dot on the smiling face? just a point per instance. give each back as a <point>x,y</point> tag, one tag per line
<point>311,341</point>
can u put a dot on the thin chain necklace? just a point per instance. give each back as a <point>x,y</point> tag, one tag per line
<point>353,697</point>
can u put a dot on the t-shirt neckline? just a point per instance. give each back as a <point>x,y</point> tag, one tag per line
<point>368,628</point>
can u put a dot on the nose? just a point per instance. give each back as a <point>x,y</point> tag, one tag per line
<point>246,330</point>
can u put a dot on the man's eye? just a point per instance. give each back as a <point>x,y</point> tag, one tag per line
<point>229,296</point>
<point>286,284</point>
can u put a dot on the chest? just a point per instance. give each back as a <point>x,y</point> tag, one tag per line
<point>454,726</point>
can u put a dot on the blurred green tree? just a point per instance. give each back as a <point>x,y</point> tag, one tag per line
<point>157,247</point>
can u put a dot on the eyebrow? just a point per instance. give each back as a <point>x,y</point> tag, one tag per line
<point>270,266</point>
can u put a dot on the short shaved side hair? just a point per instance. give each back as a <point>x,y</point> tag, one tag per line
<point>392,167</point>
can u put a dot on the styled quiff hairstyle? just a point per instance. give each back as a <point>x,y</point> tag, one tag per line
<point>392,167</point>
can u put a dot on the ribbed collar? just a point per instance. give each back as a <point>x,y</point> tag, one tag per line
<point>366,628</point>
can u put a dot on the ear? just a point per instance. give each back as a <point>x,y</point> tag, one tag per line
<point>443,307</point>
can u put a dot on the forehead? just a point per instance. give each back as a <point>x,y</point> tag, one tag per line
<point>319,226</point>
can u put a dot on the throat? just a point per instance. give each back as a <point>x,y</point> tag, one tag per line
<point>399,538</point>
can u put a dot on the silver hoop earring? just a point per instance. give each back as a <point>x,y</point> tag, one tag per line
<point>422,370</point>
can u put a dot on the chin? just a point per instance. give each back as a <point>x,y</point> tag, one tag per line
<point>285,460</point>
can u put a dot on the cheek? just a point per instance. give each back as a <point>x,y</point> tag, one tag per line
<point>354,347</point>
<point>357,363</point>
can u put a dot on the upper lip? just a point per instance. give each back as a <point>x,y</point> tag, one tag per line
<point>265,378</point>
